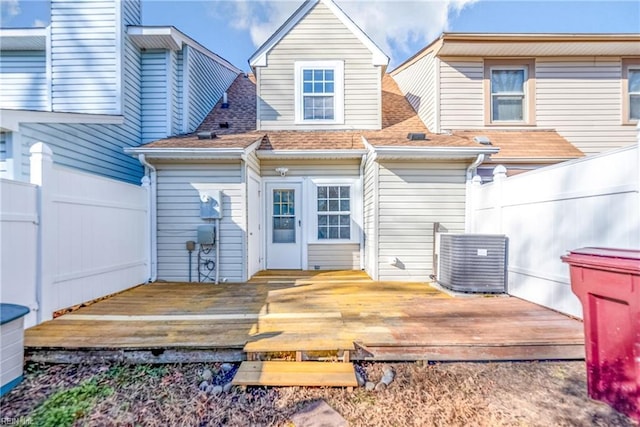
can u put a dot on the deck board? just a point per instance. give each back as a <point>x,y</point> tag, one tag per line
<point>304,374</point>
<point>315,311</point>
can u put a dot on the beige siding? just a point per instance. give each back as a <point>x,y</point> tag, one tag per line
<point>412,197</point>
<point>312,168</point>
<point>370,206</point>
<point>582,100</point>
<point>419,85</point>
<point>179,216</point>
<point>319,36</point>
<point>461,94</point>
<point>253,162</point>
<point>333,257</point>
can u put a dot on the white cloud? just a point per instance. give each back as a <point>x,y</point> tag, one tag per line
<point>8,10</point>
<point>39,23</point>
<point>396,26</point>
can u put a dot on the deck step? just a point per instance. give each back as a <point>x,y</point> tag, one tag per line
<point>303,374</point>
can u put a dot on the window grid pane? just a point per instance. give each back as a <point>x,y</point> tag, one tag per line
<point>335,220</point>
<point>507,95</point>
<point>284,216</point>
<point>318,88</point>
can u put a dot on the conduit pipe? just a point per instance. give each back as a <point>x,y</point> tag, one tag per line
<point>153,218</point>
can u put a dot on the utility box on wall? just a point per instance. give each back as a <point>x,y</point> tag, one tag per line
<point>211,205</point>
<point>207,234</point>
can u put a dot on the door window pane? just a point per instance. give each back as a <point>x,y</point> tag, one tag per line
<point>284,220</point>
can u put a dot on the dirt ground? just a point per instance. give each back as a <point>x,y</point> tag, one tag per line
<point>422,394</point>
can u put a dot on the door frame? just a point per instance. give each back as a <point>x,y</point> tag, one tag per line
<point>252,175</point>
<point>302,216</point>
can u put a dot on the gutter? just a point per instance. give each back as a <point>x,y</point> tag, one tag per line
<point>471,170</point>
<point>434,152</point>
<point>153,218</point>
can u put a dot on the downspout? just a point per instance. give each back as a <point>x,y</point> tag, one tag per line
<point>469,196</point>
<point>363,162</point>
<point>153,218</point>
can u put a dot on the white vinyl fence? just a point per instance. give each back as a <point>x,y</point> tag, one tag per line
<point>592,201</point>
<point>69,237</point>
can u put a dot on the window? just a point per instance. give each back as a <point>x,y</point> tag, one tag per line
<point>631,91</point>
<point>318,89</point>
<point>334,212</point>
<point>509,92</point>
<point>319,93</point>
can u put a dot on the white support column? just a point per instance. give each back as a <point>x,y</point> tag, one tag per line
<point>42,176</point>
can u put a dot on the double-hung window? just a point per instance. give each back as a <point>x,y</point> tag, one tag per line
<point>509,92</point>
<point>631,90</point>
<point>334,212</point>
<point>319,93</point>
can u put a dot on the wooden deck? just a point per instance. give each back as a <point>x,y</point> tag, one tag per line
<point>305,312</point>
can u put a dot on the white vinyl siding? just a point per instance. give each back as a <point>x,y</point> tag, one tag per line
<point>154,94</point>
<point>319,36</point>
<point>334,257</point>
<point>207,81</point>
<point>253,162</point>
<point>461,94</point>
<point>179,187</point>
<point>370,208</point>
<point>418,83</point>
<point>412,197</point>
<point>312,168</point>
<point>23,80</point>
<point>86,55</point>
<point>582,100</point>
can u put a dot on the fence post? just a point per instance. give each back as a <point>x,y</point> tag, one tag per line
<point>499,176</point>
<point>41,162</point>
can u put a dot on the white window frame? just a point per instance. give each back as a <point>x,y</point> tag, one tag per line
<point>338,95</point>
<point>525,95</point>
<point>630,68</point>
<point>355,198</point>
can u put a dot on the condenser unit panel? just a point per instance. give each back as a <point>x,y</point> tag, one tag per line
<point>473,262</point>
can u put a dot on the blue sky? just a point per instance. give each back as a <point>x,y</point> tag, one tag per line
<point>234,28</point>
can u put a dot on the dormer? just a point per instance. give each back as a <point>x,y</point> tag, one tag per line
<point>318,71</point>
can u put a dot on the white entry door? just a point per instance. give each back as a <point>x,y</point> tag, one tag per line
<point>254,252</point>
<point>284,237</point>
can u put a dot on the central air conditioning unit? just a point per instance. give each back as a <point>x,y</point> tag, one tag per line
<point>473,262</point>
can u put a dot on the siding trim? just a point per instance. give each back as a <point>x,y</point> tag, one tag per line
<point>120,50</point>
<point>49,70</point>
<point>169,81</point>
<point>186,58</point>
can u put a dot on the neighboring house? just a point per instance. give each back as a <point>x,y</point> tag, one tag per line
<point>322,163</point>
<point>585,87</point>
<point>95,82</point>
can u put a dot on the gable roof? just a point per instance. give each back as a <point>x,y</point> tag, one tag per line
<point>528,45</point>
<point>259,58</point>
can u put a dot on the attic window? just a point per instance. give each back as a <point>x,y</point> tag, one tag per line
<point>509,87</point>
<point>319,92</point>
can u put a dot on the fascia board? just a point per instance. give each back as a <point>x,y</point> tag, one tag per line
<point>310,154</point>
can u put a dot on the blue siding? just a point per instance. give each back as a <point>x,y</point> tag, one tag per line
<point>154,95</point>
<point>3,152</point>
<point>86,56</point>
<point>208,80</point>
<point>23,80</point>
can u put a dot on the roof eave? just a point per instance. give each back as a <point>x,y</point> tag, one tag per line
<point>434,153</point>
<point>310,154</point>
<point>188,153</point>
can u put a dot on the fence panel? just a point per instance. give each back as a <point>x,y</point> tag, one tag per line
<point>587,202</point>
<point>18,240</point>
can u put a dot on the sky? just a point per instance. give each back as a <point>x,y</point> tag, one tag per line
<point>234,29</point>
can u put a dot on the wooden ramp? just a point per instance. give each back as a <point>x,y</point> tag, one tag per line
<point>302,374</point>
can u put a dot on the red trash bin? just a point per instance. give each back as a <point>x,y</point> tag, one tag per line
<point>607,281</point>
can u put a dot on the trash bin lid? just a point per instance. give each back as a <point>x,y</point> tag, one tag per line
<point>10,312</point>
<point>623,260</point>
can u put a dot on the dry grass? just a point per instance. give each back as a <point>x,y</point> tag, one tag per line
<point>454,394</point>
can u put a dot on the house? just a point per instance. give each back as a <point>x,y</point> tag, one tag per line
<point>505,87</point>
<point>321,162</point>
<point>95,81</point>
